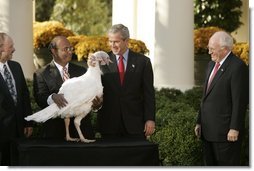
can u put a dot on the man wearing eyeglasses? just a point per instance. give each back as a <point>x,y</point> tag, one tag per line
<point>47,82</point>
<point>221,117</point>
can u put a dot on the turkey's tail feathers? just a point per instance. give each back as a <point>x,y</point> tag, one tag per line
<point>44,115</point>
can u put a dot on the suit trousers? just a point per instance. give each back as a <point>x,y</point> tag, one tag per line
<point>5,154</point>
<point>123,133</point>
<point>222,153</point>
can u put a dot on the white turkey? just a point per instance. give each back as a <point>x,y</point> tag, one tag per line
<point>79,93</point>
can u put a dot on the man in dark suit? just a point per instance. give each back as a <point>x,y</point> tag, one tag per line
<point>14,100</point>
<point>221,117</point>
<point>128,109</point>
<point>47,82</point>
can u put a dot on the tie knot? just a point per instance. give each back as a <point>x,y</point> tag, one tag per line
<point>65,69</point>
<point>121,57</point>
<point>217,64</point>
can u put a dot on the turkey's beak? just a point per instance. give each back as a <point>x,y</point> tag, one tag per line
<point>105,61</point>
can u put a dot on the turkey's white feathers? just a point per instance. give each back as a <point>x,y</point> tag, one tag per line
<point>79,93</point>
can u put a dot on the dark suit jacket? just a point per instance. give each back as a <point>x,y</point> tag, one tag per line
<point>134,102</point>
<point>47,81</point>
<point>223,106</point>
<point>12,121</point>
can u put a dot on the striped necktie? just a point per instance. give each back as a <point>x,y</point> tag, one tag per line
<point>10,84</point>
<point>66,75</point>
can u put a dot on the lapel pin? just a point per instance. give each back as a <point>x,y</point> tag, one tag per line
<point>222,69</point>
<point>133,66</point>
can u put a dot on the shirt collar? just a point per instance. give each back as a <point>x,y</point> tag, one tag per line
<point>2,65</point>
<point>221,62</point>
<point>60,67</point>
<point>125,55</point>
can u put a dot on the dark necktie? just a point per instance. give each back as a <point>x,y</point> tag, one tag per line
<point>217,65</point>
<point>9,83</point>
<point>66,75</point>
<point>121,69</point>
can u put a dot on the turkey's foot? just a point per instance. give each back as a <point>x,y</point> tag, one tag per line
<point>86,140</point>
<point>72,139</point>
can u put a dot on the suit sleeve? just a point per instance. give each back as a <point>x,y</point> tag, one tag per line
<point>26,102</point>
<point>240,95</point>
<point>149,94</point>
<point>41,92</point>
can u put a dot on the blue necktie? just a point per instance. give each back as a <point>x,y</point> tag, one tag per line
<point>9,83</point>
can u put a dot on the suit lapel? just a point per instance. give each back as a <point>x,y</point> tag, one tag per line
<point>112,67</point>
<point>219,73</point>
<point>55,75</point>
<point>131,66</point>
<point>71,71</point>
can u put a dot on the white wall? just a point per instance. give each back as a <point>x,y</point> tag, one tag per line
<point>242,34</point>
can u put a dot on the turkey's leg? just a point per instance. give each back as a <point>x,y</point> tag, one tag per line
<point>67,131</point>
<point>77,121</point>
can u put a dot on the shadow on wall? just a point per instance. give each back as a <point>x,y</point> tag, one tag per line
<point>3,23</point>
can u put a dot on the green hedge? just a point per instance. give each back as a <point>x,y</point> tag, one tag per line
<point>176,114</point>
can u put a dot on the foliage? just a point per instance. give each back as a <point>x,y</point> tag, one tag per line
<point>35,108</point>
<point>221,13</point>
<point>84,45</point>
<point>201,38</point>
<point>241,50</point>
<point>89,17</point>
<point>192,97</point>
<point>43,9</point>
<point>44,32</point>
<point>175,122</point>
<point>89,44</point>
<point>178,145</point>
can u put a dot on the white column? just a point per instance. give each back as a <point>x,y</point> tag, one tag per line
<point>16,18</point>
<point>174,56</point>
<point>124,12</point>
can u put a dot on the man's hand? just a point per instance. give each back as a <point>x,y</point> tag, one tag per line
<point>149,128</point>
<point>28,131</point>
<point>198,130</point>
<point>97,103</point>
<point>59,100</point>
<point>233,135</point>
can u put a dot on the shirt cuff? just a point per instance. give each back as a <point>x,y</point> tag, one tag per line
<point>50,100</point>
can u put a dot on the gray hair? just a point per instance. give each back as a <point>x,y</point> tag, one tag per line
<point>225,39</point>
<point>123,30</point>
<point>2,39</point>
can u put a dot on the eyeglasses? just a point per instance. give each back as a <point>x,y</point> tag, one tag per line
<point>67,49</point>
<point>210,49</point>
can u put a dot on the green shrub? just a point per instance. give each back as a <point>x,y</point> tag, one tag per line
<point>165,96</point>
<point>175,122</point>
<point>192,97</point>
<point>35,108</point>
<point>178,145</point>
